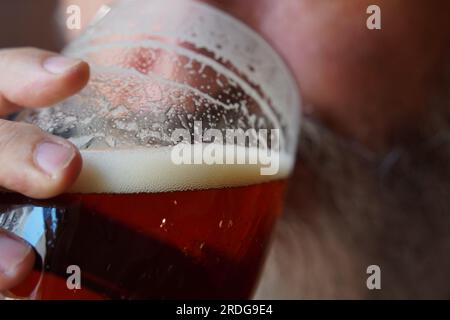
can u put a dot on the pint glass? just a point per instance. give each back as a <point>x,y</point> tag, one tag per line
<point>187,129</point>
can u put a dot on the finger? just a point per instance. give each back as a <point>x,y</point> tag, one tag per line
<point>16,260</point>
<point>35,163</point>
<point>36,78</point>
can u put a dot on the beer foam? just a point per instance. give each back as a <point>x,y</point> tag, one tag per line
<point>150,170</point>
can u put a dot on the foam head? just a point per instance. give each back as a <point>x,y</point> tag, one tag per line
<point>153,170</point>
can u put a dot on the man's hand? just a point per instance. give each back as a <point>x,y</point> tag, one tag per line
<point>33,162</point>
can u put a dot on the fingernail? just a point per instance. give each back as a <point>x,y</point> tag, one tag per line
<point>12,253</point>
<point>59,64</point>
<point>53,157</point>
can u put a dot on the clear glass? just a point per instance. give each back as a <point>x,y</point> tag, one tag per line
<point>188,130</point>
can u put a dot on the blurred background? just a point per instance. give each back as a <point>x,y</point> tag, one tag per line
<point>41,23</point>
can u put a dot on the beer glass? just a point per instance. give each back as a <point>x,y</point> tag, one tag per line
<point>187,129</point>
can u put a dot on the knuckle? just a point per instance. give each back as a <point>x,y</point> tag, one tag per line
<point>8,133</point>
<point>14,174</point>
<point>10,52</point>
<point>12,132</point>
<point>11,56</point>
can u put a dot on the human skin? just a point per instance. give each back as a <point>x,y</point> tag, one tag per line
<point>370,87</point>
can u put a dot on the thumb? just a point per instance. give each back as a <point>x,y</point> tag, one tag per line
<point>35,163</point>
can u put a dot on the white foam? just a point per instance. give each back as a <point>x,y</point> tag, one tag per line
<point>152,170</point>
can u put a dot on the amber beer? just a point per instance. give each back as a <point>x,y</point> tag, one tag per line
<point>139,227</point>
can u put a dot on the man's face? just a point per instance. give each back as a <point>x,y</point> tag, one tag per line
<point>366,85</point>
<point>372,173</point>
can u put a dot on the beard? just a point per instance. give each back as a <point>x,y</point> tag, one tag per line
<point>348,208</point>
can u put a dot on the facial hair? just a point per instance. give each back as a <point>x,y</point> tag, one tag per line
<point>348,208</point>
